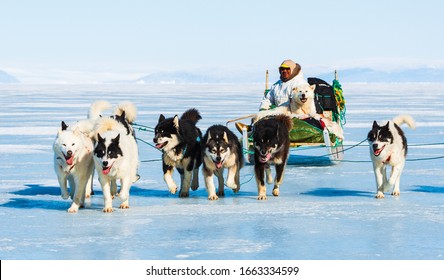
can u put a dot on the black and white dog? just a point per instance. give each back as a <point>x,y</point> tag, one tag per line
<point>388,146</point>
<point>179,139</point>
<point>221,149</point>
<point>116,156</point>
<point>271,145</point>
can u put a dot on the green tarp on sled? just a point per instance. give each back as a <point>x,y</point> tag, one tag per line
<point>304,132</point>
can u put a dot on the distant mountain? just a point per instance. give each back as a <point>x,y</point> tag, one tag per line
<point>185,77</point>
<point>349,75</point>
<point>368,75</point>
<point>5,78</point>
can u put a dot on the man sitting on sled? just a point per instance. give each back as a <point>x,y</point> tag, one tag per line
<point>280,92</point>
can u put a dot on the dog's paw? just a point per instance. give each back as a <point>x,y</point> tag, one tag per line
<point>275,192</point>
<point>262,197</point>
<point>107,209</point>
<point>172,190</point>
<point>213,197</point>
<point>184,194</point>
<point>379,195</point>
<point>74,208</point>
<point>65,196</point>
<point>124,205</point>
<point>231,185</point>
<point>221,193</point>
<point>396,193</point>
<point>195,187</point>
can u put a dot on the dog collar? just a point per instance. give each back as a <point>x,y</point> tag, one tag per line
<point>388,158</point>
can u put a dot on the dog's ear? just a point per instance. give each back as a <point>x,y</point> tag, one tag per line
<point>225,137</point>
<point>99,138</point>
<point>313,87</point>
<point>116,139</point>
<point>375,125</point>
<point>209,137</point>
<point>161,118</point>
<point>64,125</point>
<point>176,122</point>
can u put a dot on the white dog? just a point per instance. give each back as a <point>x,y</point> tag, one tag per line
<point>116,156</point>
<point>388,146</point>
<point>302,103</point>
<point>73,159</point>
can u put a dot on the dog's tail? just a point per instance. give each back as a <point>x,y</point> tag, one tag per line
<point>288,122</point>
<point>130,111</point>
<point>96,109</point>
<point>401,119</point>
<point>191,115</point>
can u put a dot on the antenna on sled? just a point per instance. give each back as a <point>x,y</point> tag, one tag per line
<point>336,75</point>
<point>266,82</point>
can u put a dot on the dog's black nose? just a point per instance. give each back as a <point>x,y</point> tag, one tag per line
<point>104,163</point>
<point>303,95</point>
<point>375,146</point>
<point>69,153</point>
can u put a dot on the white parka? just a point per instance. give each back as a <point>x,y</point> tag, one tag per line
<point>281,92</point>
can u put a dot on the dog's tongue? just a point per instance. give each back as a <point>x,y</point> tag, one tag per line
<point>106,170</point>
<point>160,145</point>
<point>378,151</point>
<point>69,160</point>
<point>266,158</point>
<point>218,165</point>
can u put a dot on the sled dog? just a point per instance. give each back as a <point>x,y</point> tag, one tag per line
<point>221,150</point>
<point>388,146</point>
<point>116,157</point>
<point>73,158</point>
<point>271,145</point>
<point>179,140</point>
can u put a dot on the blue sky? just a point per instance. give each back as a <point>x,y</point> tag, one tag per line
<point>51,39</point>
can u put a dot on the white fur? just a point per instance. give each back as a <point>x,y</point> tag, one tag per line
<point>392,155</point>
<point>124,168</point>
<point>79,169</point>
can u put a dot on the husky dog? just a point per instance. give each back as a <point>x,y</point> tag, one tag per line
<point>221,149</point>
<point>179,140</point>
<point>116,158</point>
<point>388,146</point>
<point>302,104</point>
<point>271,145</point>
<point>73,158</point>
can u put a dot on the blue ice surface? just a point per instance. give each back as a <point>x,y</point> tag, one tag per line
<point>324,212</point>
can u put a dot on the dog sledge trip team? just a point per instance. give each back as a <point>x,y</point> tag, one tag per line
<point>107,144</point>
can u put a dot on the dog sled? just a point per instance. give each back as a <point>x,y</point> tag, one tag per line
<point>313,142</point>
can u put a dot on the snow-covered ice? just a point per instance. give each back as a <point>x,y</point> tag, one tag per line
<point>323,212</point>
